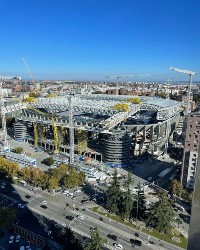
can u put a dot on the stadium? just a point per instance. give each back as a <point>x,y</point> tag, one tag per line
<point>108,128</point>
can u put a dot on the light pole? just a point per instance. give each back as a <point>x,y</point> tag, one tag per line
<point>137,209</point>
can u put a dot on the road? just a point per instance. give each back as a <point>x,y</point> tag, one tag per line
<point>57,212</point>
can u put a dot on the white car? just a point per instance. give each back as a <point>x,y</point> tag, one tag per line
<point>14,192</point>
<point>44,202</point>
<point>21,205</point>
<point>118,246</point>
<point>17,239</point>
<point>11,239</point>
<point>77,191</point>
<point>81,217</point>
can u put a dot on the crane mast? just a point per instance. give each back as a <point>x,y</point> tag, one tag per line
<point>71,128</point>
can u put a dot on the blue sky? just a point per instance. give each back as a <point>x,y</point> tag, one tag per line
<point>89,39</point>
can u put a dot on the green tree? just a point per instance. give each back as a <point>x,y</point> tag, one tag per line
<point>127,202</point>
<point>114,195</point>
<point>49,161</point>
<point>7,217</point>
<point>18,150</point>
<point>161,214</point>
<point>69,241</point>
<point>96,242</point>
<point>176,187</point>
<point>52,182</point>
<point>139,204</point>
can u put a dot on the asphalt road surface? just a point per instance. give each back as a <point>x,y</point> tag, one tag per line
<point>57,211</point>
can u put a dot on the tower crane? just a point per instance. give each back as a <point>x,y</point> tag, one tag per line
<point>122,76</point>
<point>190,74</point>
<point>27,68</point>
<point>71,127</point>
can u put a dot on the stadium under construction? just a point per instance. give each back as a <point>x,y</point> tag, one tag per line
<point>109,128</point>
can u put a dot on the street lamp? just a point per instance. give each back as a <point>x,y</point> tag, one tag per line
<point>137,209</point>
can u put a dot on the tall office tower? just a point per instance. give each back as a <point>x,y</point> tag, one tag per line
<point>191,147</point>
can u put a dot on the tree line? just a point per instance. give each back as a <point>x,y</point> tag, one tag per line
<point>62,176</point>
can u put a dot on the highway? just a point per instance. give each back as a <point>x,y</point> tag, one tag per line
<point>57,211</point>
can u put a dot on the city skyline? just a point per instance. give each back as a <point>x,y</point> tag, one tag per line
<point>87,41</point>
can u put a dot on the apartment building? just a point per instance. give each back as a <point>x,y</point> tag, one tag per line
<point>190,154</point>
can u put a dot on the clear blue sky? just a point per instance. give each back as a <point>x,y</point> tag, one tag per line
<point>89,39</point>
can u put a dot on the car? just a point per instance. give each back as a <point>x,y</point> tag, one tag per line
<point>77,191</point>
<point>152,242</point>
<point>150,178</point>
<point>17,238</point>
<point>117,246</point>
<point>112,236</point>
<point>43,206</point>
<point>74,198</point>
<point>100,218</point>
<point>14,192</point>
<point>136,234</point>
<point>136,242</point>
<point>44,202</point>
<point>81,217</point>
<point>84,201</point>
<point>182,209</point>
<point>22,248</point>
<point>11,239</point>
<point>27,196</point>
<point>28,248</point>
<point>21,205</point>
<point>69,217</point>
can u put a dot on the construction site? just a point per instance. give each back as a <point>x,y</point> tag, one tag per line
<point>108,128</point>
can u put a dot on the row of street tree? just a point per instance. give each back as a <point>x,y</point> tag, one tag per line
<point>63,175</point>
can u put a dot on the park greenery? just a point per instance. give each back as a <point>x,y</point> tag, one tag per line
<point>62,176</point>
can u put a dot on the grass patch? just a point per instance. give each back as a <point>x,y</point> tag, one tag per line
<point>154,233</point>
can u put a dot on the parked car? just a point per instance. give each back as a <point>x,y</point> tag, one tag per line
<point>100,218</point>
<point>17,239</point>
<point>136,234</point>
<point>11,239</point>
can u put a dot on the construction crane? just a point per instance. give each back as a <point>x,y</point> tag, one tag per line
<point>122,76</point>
<point>190,74</point>
<point>27,68</point>
<point>71,128</point>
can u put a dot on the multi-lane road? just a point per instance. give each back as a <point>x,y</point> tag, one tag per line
<point>57,210</point>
